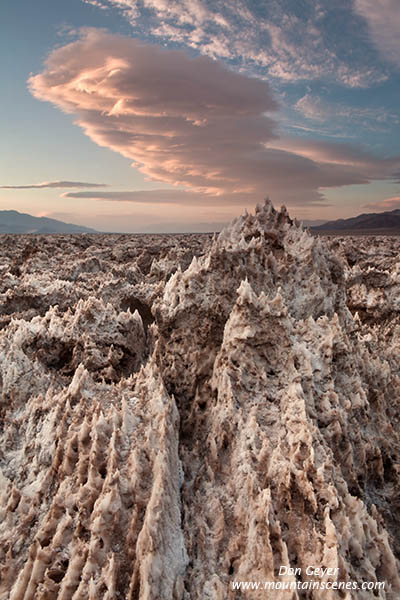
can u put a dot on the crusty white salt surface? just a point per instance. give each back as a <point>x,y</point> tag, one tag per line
<point>179,413</point>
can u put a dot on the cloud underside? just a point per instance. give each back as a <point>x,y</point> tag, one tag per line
<point>170,197</point>
<point>53,184</point>
<point>194,123</point>
<point>159,196</point>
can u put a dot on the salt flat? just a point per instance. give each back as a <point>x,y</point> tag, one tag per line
<point>181,411</point>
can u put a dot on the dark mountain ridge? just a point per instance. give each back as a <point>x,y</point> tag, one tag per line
<point>385,220</point>
<point>12,221</point>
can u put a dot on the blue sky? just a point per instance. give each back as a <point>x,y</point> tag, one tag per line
<point>216,104</point>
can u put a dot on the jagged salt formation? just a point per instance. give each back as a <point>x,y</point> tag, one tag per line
<point>173,426</point>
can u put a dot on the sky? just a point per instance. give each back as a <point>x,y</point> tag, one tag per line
<point>176,115</point>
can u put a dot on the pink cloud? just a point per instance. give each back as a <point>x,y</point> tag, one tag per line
<point>192,122</point>
<point>53,184</point>
<point>332,115</point>
<point>383,18</point>
<point>288,45</point>
<point>160,196</point>
<point>387,204</point>
<point>96,3</point>
<point>367,165</point>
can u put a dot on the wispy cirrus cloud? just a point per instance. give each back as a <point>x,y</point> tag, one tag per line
<point>338,116</point>
<point>164,196</point>
<point>383,18</point>
<point>351,158</point>
<point>288,42</point>
<point>192,122</point>
<point>54,184</point>
<point>160,196</point>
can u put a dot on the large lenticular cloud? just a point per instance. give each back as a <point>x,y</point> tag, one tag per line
<point>181,120</point>
<point>187,121</point>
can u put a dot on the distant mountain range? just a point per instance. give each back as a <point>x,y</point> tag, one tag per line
<point>367,221</point>
<point>311,222</point>
<point>12,221</point>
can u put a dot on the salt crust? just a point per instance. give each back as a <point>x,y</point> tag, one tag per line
<point>179,412</point>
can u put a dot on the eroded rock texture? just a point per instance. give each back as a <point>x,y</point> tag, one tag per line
<point>182,412</point>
